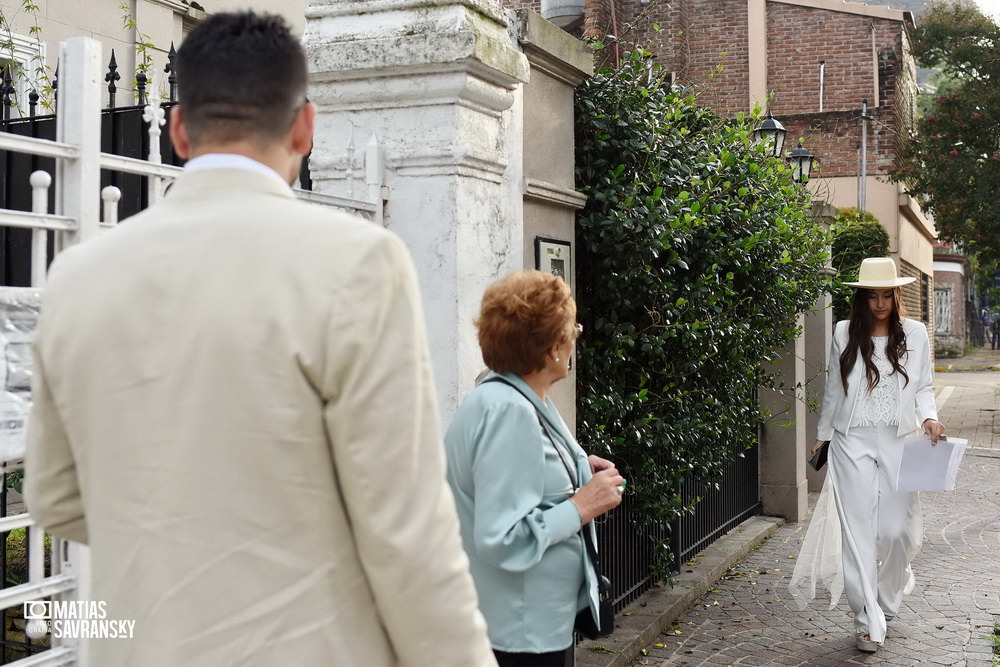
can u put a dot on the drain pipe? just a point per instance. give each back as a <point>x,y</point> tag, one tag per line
<point>614,26</point>
<point>822,72</point>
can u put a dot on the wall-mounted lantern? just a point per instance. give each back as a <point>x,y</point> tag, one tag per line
<point>801,162</point>
<point>772,133</point>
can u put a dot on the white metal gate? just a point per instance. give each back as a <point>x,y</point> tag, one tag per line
<point>77,219</point>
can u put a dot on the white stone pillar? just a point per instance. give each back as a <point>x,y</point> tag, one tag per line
<point>436,81</point>
<point>782,463</point>
<point>819,335</point>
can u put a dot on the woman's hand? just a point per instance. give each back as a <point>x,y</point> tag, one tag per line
<point>599,495</point>
<point>598,464</point>
<point>815,447</point>
<point>933,428</point>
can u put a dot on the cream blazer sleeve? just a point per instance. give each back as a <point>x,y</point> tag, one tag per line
<point>381,418</point>
<point>51,486</point>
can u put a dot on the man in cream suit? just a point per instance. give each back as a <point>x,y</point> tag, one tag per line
<point>234,405</point>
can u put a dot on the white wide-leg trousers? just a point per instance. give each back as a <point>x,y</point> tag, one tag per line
<point>881,528</point>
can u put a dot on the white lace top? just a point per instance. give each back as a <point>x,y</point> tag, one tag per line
<point>881,404</point>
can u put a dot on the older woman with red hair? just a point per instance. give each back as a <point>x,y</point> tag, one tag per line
<point>524,488</point>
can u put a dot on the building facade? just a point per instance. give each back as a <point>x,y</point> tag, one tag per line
<point>839,75</point>
<point>950,302</point>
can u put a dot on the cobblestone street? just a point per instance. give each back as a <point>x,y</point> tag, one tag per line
<point>748,617</point>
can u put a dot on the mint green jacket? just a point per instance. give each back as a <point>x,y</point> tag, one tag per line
<point>519,527</point>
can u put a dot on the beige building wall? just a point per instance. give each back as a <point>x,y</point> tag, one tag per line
<point>558,64</point>
<point>909,240</point>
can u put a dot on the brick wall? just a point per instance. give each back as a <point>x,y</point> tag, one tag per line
<point>533,5</point>
<point>858,53</point>
<point>708,34</point>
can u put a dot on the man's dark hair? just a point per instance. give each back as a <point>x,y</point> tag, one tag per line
<point>240,75</point>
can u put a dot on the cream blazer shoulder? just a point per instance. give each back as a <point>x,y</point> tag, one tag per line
<point>916,396</point>
<point>234,407</point>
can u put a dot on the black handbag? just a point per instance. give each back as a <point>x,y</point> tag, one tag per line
<point>585,623</point>
<point>818,460</point>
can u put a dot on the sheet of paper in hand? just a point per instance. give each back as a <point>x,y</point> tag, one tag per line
<point>927,467</point>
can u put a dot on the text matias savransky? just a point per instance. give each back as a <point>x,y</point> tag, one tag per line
<point>79,619</point>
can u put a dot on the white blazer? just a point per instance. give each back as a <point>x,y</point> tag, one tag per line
<point>916,397</point>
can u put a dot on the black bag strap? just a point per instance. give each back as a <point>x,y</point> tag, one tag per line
<point>602,581</point>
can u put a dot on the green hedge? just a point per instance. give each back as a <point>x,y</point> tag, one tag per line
<point>696,253</point>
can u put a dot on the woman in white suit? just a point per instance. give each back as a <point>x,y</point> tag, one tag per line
<point>879,392</point>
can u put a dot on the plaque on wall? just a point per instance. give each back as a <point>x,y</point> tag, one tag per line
<point>553,256</point>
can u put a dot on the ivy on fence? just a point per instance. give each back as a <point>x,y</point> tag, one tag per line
<point>697,253</point>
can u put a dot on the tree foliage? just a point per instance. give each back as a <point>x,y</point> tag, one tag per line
<point>699,251</point>
<point>954,158</point>
<point>855,236</point>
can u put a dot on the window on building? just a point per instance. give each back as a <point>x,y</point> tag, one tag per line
<point>23,60</point>
<point>944,310</point>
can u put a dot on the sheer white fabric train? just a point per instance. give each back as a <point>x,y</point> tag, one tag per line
<point>820,561</point>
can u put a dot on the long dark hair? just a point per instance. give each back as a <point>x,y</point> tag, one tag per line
<point>859,338</point>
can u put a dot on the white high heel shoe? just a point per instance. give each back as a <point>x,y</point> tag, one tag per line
<point>867,645</point>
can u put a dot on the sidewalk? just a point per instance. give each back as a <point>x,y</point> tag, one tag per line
<point>731,605</point>
<point>978,359</point>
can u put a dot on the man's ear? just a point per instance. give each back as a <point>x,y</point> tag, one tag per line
<point>178,133</point>
<point>303,128</point>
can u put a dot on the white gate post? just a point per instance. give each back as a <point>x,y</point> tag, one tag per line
<point>155,116</point>
<point>79,124</point>
<point>111,195</point>
<point>74,558</point>
<point>40,182</point>
<point>78,195</point>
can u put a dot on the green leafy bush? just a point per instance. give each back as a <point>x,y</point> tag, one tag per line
<point>697,252</point>
<point>17,556</point>
<point>855,236</point>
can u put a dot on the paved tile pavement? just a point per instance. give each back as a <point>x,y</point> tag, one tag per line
<point>747,617</point>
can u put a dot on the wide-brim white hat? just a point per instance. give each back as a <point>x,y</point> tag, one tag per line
<point>879,273</point>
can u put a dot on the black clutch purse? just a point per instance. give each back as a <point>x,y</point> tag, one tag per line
<point>585,623</point>
<point>818,460</point>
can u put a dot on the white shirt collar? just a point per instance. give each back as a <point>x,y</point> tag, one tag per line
<point>231,161</point>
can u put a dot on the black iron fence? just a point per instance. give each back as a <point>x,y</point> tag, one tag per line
<point>628,549</point>
<point>123,132</point>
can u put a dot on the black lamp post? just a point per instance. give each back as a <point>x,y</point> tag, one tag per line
<point>772,133</point>
<point>801,162</point>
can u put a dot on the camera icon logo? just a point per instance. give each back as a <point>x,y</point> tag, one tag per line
<point>37,610</point>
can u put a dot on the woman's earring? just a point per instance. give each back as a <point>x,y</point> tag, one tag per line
<point>557,360</point>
